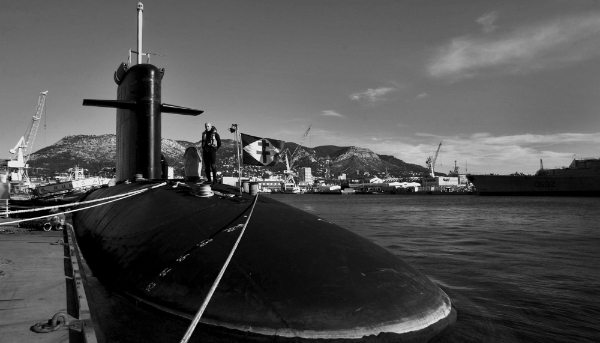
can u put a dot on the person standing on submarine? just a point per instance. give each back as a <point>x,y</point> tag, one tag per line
<point>211,142</point>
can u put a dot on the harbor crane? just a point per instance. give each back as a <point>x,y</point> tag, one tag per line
<point>431,161</point>
<point>289,161</point>
<point>24,146</point>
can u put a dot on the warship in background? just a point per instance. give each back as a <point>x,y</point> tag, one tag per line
<point>580,178</point>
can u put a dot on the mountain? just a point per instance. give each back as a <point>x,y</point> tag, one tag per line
<point>89,152</point>
<point>403,165</point>
<point>97,154</point>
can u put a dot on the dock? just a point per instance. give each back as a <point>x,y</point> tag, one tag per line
<point>39,278</point>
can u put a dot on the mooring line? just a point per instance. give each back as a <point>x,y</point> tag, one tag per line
<point>71,204</point>
<point>121,196</point>
<point>196,319</point>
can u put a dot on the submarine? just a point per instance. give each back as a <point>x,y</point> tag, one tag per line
<point>293,277</point>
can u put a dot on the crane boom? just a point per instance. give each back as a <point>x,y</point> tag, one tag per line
<point>289,161</point>
<point>436,154</point>
<point>24,146</point>
<point>299,145</point>
<point>286,151</point>
<point>431,160</point>
<point>33,127</point>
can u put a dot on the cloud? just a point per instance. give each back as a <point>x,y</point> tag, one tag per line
<point>545,45</point>
<point>331,113</point>
<point>422,95</point>
<point>372,95</point>
<point>536,139</point>
<point>487,21</point>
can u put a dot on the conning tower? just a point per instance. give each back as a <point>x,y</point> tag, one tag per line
<point>139,110</point>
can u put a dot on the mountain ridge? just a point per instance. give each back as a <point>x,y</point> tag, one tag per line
<point>97,153</point>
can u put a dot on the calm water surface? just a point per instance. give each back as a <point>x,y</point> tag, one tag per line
<point>518,269</point>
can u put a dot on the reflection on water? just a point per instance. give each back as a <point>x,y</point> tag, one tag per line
<point>518,269</point>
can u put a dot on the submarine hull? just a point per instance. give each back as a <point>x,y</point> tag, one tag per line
<point>293,275</point>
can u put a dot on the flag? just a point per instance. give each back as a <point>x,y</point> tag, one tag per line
<point>260,151</point>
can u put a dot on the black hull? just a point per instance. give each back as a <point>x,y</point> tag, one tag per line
<point>547,194</point>
<point>294,275</point>
<point>528,185</point>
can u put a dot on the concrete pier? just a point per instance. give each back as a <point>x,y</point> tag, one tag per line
<point>36,282</point>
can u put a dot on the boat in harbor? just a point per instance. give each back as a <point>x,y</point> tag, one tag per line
<point>64,189</point>
<point>73,182</point>
<point>580,178</point>
<point>290,188</point>
<point>329,189</point>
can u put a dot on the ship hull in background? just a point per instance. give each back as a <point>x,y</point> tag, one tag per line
<point>536,185</point>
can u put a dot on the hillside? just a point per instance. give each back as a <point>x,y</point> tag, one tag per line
<point>97,154</point>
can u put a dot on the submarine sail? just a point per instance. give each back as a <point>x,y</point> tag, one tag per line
<point>293,277</point>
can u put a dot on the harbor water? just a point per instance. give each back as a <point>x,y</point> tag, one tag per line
<point>518,269</point>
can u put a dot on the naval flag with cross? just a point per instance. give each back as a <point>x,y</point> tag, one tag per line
<point>260,151</point>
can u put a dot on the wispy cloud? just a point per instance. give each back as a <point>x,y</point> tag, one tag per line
<point>487,21</point>
<point>544,45</point>
<point>331,113</point>
<point>535,139</point>
<point>372,95</point>
<point>422,95</point>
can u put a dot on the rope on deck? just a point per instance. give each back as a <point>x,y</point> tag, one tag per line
<point>196,319</point>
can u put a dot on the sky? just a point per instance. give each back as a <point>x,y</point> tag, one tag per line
<point>502,84</point>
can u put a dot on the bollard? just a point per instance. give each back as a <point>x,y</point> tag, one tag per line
<point>253,188</point>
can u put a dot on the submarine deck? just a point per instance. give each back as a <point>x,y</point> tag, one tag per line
<point>141,236</point>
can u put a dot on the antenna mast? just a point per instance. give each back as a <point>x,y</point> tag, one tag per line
<point>140,8</point>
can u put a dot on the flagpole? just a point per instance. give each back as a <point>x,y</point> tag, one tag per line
<point>239,137</point>
<point>234,130</point>
<point>239,144</point>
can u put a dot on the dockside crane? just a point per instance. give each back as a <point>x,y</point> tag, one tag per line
<point>431,161</point>
<point>24,146</point>
<point>289,161</point>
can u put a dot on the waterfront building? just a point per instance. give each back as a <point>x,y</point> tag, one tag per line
<point>271,185</point>
<point>232,180</point>
<point>306,175</point>
<point>441,183</point>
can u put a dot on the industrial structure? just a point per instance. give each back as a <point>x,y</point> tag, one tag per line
<point>18,166</point>
<point>431,161</point>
